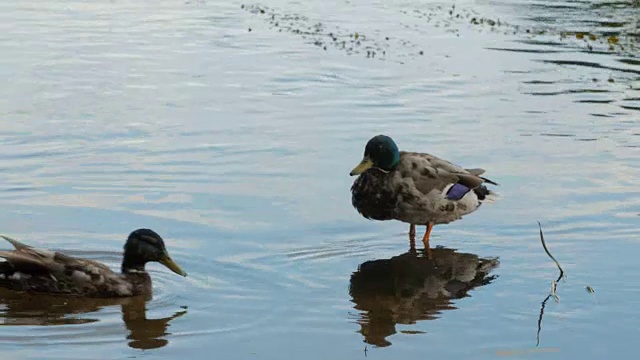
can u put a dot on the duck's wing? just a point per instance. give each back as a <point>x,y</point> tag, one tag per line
<point>430,172</point>
<point>477,172</point>
<point>28,259</point>
<point>16,244</point>
<point>32,260</point>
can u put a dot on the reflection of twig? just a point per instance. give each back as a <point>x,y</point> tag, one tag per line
<point>544,303</point>
<point>554,284</point>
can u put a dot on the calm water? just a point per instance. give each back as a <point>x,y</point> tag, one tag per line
<point>236,145</point>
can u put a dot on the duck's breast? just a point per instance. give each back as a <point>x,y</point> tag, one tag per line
<point>372,196</point>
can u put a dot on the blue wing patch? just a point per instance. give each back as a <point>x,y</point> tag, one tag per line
<point>457,191</point>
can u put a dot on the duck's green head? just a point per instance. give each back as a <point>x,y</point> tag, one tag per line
<point>143,246</point>
<point>381,152</point>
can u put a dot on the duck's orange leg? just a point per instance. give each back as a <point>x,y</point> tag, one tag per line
<point>425,239</point>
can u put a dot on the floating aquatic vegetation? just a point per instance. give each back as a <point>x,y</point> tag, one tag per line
<point>451,19</point>
<point>622,42</point>
<point>328,37</point>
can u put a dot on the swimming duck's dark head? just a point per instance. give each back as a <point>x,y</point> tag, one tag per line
<point>381,152</point>
<point>143,246</point>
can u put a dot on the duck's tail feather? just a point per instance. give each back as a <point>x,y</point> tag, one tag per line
<point>489,181</point>
<point>16,244</point>
<point>486,195</point>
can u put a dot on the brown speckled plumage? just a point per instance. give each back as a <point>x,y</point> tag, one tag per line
<point>41,270</point>
<point>415,191</point>
<point>415,188</point>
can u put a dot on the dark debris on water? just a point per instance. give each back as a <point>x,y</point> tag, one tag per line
<point>450,18</point>
<point>327,37</point>
<point>613,42</point>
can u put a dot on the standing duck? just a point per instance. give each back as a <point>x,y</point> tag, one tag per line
<point>45,271</point>
<point>415,188</point>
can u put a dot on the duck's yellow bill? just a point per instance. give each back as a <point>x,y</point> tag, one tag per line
<point>168,262</point>
<point>364,165</point>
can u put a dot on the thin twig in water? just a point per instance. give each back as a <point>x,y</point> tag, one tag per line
<point>554,284</point>
<point>544,245</point>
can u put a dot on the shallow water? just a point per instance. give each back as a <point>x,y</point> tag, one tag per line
<point>235,146</point>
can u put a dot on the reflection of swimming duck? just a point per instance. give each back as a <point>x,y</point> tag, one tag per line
<point>146,333</point>
<point>46,271</point>
<point>416,188</point>
<point>411,287</point>
<point>46,309</point>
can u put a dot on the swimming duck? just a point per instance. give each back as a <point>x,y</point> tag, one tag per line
<point>415,188</point>
<point>45,271</point>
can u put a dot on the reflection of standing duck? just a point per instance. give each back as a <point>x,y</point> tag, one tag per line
<point>411,287</point>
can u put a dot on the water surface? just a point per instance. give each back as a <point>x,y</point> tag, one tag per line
<point>233,138</point>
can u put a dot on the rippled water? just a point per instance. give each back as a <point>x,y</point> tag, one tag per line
<point>231,130</point>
